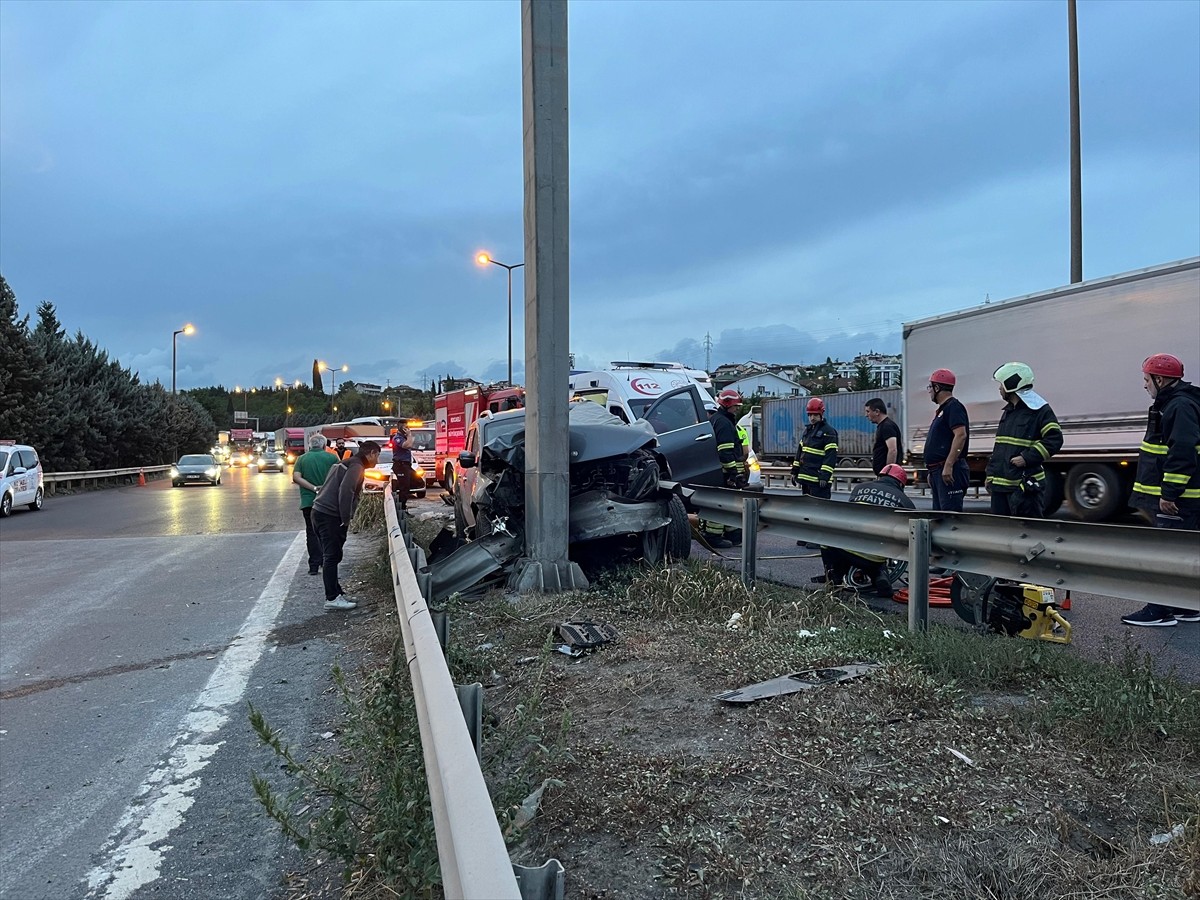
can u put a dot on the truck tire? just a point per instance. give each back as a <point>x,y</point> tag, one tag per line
<point>448,478</point>
<point>1054,492</point>
<point>679,531</point>
<point>1094,491</point>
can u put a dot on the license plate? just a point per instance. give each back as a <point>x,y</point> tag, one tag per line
<point>193,477</point>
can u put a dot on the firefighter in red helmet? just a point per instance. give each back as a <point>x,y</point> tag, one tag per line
<point>732,456</point>
<point>816,456</point>
<point>1167,485</point>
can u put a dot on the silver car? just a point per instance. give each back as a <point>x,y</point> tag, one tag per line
<point>196,468</point>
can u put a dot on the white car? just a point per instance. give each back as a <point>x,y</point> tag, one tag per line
<point>376,479</point>
<point>20,478</point>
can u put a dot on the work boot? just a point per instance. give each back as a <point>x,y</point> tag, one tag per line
<point>883,587</point>
<point>719,543</point>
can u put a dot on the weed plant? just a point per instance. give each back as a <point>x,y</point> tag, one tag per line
<point>368,806</point>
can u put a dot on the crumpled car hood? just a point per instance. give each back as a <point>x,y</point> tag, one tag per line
<point>594,434</point>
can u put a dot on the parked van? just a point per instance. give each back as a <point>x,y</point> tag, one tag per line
<point>20,478</point>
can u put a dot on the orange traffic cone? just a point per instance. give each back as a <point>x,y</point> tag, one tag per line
<point>141,477</point>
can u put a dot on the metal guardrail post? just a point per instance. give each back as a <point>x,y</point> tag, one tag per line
<point>470,698</point>
<point>918,574</point>
<point>749,540</point>
<point>441,625</point>
<point>541,882</point>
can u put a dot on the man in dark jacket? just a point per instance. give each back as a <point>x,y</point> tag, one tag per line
<point>1167,486</point>
<point>1027,436</point>
<point>887,491</point>
<point>332,511</point>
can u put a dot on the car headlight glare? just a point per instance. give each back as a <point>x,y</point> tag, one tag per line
<point>174,472</point>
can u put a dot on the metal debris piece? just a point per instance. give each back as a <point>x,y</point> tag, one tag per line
<point>797,681</point>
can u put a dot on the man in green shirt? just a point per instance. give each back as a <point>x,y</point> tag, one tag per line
<point>309,473</point>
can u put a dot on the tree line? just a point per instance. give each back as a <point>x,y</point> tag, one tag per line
<point>82,410</point>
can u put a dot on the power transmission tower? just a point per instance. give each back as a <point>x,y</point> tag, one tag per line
<point>707,352</point>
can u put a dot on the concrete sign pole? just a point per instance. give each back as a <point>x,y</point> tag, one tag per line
<point>545,566</point>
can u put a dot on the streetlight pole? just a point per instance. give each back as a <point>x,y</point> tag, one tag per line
<point>186,329</point>
<point>334,371</point>
<point>483,259</point>
<point>287,397</point>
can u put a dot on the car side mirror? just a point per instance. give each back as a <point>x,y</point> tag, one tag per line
<point>19,470</point>
<point>466,459</point>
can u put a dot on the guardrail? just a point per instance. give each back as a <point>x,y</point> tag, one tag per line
<point>474,859</point>
<point>52,479</point>
<point>1153,565</point>
<point>845,477</point>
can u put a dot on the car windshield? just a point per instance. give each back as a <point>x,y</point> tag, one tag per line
<point>489,431</point>
<point>422,440</point>
<point>197,460</point>
<point>385,458</point>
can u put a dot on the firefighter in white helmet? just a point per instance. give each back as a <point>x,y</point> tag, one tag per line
<point>1027,436</point>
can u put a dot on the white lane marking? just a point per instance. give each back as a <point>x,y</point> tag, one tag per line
<point>129,859</point>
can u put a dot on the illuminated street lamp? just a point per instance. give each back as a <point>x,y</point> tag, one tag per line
<point>325,367</point>
<point>287,397</point>
<point>186,329</point>
<point>483,259</point>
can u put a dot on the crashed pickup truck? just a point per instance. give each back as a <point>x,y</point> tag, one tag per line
<point>615,483</point>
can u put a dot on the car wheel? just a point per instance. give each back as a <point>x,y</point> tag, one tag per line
<point>37,501</point>
<point>448,478</point>
<point>6,506</point>
<point>1094,491</point>
<point>176,484</point>
<point>679,530</point>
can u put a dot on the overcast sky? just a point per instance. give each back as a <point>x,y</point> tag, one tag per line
<point>794,179</point>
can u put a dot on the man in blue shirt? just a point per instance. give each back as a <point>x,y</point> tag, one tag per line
<point>946,445</point>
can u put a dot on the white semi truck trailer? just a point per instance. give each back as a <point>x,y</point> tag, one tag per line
<point>1086,343</point>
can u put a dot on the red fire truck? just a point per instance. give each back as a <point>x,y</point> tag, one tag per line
<point>453,413</point>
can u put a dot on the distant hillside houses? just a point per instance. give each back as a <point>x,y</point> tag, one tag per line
<point>884,370</point>
<point>768,384</point>
<point>753,378</point>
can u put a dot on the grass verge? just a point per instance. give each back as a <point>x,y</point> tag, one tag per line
<point>964,766</point>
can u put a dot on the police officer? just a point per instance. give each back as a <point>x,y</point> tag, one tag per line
<point>1167,485</point>
<point>1028,434</point>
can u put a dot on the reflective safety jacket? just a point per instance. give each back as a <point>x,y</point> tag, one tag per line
<point>729,445</point>
<point>1034,435</point>
<point>816,455</point>
<point>1169,461</point>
